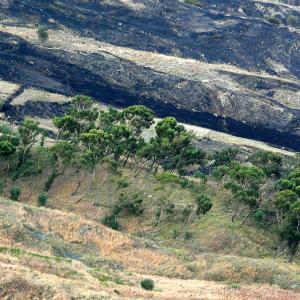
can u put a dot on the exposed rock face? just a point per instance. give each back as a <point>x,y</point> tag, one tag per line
<point>226,98</point>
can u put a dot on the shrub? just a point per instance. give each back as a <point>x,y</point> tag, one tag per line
<point>200,175</point>
<point>187,235</point>
<point>129,206</point>
<point>193,2</point>
<point>15,193</point>
<point>2,186</point>
<point>42,33</point>
<point>204,204</point>
<point>111,222</point>
<point>168,177</point>
<point>28,168</point>
<point>292,21</point>
<point>123,183</point>
<point>42,199</point>
<point>147,284</point>
<point>274,20</point>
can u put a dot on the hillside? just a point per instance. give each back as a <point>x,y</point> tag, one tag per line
<point>148,149</point>
<point>37,274</point>
<point>229,69</point>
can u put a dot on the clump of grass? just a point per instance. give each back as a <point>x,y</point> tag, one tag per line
<point>147,284</point>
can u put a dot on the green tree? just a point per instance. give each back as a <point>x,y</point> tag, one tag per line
<point>244,183</point>
<point>9,142</point>
<point>172,148</point>
<point>287,205</point>
<point>15,193</point>
<point>63,154</point>
<point>269,162</point>
<point>30,133</point>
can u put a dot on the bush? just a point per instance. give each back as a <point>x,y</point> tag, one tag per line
<point>167,177</point>
<point>292,21</point>
<point>111,222</point>
<point>274,20</point>
<point>15,193</point>
<point>42,199</point>
<point>193,2</point>
<point>199,175</point>
<point>2,186</point>
<point>42,33</point>
<point>123,183</point>
<point>127,206</point>
<point>147,284</point>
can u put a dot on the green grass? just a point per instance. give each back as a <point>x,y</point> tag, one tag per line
<point>21,252</point>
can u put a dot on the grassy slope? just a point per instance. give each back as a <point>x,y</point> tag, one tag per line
<point>37,243</point>
<point>218,250</point>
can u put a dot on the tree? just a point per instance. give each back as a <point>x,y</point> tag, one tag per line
<point>287,204</point>
<point>80,118</point>
<point>63,153</point>
<point>30,133</point>
<point>202,207</point>
<point>9,142</point>
<point>269,162</point>
<point>244,183</point>
<point>224,157</point>
<point>172,148</point>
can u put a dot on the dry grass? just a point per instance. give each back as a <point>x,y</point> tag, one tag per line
<point>35,95</point>
<point>30,276</point>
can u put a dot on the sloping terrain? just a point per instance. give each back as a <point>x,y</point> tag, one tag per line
<point>223,66</point>
<point>37,261</point>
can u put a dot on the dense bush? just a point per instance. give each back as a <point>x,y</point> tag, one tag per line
<point>292,20</point>
<point>147,284</point>
<point>15,193</point>
<point>42,199</point>
<point>129,205</point>
<point>274,20</point>
<point>111,222</point>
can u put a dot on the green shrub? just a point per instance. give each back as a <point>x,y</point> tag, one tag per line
<point>175,233</point>
<point>111,222</point>
<point>15,193</point>
<point>129,206</point>
<point>42,199</point>
<point>2,186</point>
<point>167,177</point>
<point>193,2</point>
<point>199,175</point>
<point>42,33</point>
<point>147,284</point>
<point>274,20</point>
<point>28,168</point>
<point>292,21</point>
<point>123,183</point>
<point>187,236</point>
